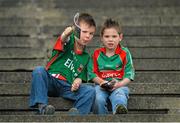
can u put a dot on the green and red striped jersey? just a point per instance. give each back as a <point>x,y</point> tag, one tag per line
<point>67,64</point>
<point>118,66</point>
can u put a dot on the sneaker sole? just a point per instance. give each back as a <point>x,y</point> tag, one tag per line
<point>121,110</point>
<point>73,111</point>
<point>50,110</point>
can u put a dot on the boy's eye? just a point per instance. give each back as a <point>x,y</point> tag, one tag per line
<point>84,31</point>
<point>91,33</point>
<point>114,36</point>
<point>106,36</point>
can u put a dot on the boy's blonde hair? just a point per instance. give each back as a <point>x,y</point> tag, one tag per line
<point>111,23</point>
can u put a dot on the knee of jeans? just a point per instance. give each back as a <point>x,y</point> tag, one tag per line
<point>126,90</point>
<point>91,90</point>
<point>99,100</point>
<point>39,70</point>
<point>122,91</point>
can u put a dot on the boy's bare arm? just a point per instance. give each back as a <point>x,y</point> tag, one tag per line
<point>121,83</point>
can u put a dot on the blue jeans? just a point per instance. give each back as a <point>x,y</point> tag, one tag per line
<point>118,96</point>
<point>44,85</point>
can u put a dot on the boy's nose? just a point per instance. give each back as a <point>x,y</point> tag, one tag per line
<point>88,36</point>
<point>111,39</point>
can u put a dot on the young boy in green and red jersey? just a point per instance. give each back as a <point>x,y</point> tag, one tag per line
<point>111,68</point>
<point>66,70</point>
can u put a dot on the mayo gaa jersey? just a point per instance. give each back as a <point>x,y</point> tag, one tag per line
<point>65,63</point>
<point>118,66</point>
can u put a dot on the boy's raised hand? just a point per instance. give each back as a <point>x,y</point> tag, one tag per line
<point>67,32</point>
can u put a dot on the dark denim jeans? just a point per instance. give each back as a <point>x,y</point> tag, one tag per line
<point>44,85</point>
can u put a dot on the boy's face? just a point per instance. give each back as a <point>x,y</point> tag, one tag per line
<point>87,33</point>
<point>111,38</point>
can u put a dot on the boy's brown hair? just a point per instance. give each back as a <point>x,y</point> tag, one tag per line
<point>87,18</point>
<point>111,23</point>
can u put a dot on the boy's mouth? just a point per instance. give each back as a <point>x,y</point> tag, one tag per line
<point>110,44</point>
<point>85,42</point>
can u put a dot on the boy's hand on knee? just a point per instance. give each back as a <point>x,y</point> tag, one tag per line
<point>76,84</point>
<point>75,87</point>
<point>114,83</point>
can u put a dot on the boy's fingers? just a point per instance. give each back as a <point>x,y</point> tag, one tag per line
<point>74,87</point>
<point>68,30</point>
<point>73,27</point>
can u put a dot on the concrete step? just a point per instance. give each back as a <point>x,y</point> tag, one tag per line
<point>123,15</point>
<point>25,53</point>
<point>99,12</point>
<point>58,112</point>
<point>139,64</point>
<point>151,41</point>
<point>109,4</point>
<point>22,53</point>
<point>14,3</point>
<point>92,118</point>
<point>134,103</point>
<point>82,4</point>
<point>127,30</point>
<point>21,65</point>
<point>157,64</point>
<point>157,77</point>
<point>15,77</point>
<point>123,19</point>
<point>140,77</point>
<point>135,88</point>
<point>19,31</point>
<point>21,42</point>
<point>129,41</point>
<point>150,53</point>
<point>15,21</point>
<point>24,11</point>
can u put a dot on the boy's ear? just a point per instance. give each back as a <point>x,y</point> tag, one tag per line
<point>121,36</point>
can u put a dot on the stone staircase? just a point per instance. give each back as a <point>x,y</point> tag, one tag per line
<point>28,29</point>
